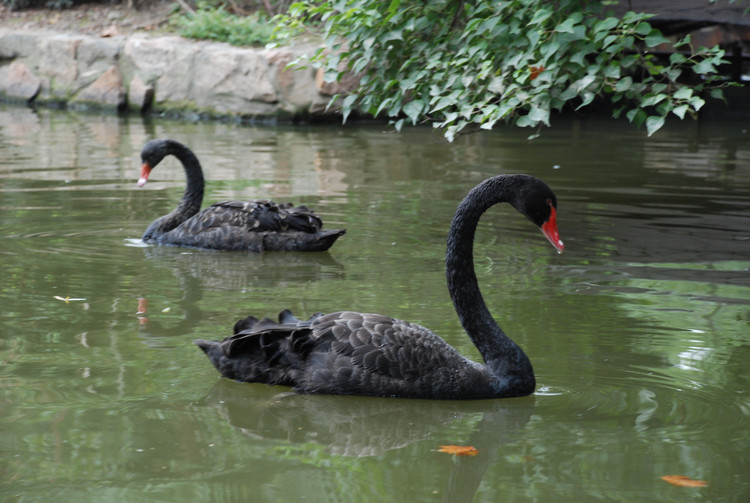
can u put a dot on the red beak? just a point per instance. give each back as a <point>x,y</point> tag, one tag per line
<point>145,171</point>
<point>549,229</point>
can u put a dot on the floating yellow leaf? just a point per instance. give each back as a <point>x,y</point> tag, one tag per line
<point>683,481</point>
<point>459,450</point>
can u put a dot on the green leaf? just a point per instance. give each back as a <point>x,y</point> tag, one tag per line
<point>655,38</point>
<point>540,16</point>
<point>608,40</point>
<point>683,94</point>
<point>442,103</point>
<point>704,67</point>
<point>550,49</point>
<point>623,84</point>
<point>637,116</point>
<point>676,58</point>
<point>652,99</point>
<point>539,115</point>
<point>674,74</point>
<point>643,28</point>
<point>606,24</point>
<point>696,102</point>
<point>567,26</point>
<point>393,7</point>
<point>413,110</point>
<point>633,17</point>
<point>683,41</point>
<point>628,61</point>
<point>612,71</point>
<point>586,98</point>
<point>653,124</point>
<point>680,111</point>
<point>657,88</point>
<point>525,121</point>
<point>346,106</point>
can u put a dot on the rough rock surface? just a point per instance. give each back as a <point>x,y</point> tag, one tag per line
<point>17,81</point>
<point>142,70</point>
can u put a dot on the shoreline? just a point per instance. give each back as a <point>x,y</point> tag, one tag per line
<point>162,74</point>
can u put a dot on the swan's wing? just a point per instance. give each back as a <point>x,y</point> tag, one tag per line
<point>371,354</point>
<point>255,216</point>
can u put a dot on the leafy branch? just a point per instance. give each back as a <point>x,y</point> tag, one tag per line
<point>472,64</point>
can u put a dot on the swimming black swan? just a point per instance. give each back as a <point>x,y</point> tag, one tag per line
<point>348,353</point>
<point>255,226</point>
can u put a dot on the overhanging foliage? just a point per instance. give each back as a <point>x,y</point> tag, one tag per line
<point>468,64</point>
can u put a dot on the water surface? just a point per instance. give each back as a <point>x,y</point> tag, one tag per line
<point>638,333</point>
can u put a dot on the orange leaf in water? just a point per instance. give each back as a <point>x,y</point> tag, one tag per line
<point>683,481</point>
<point>459,450</point>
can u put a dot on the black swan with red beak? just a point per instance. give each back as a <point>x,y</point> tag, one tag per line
<point>351,353</point>
<point>255,226</point>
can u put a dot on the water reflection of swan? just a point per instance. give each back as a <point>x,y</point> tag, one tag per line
<point>364,427</point>
<point>237,271</point>
<point>359,427</point>
<point>155,331</point>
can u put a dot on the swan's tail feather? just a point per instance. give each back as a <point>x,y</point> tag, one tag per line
<point>303,219</point>
<point>244,324</point>
<point>212,350</point>
<point>286,317</point>
<point>268,351</point>
<point>327,238</point>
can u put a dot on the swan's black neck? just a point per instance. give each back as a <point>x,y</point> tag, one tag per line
<point>503,357</point>
<point>193,196</point>
<point>191,200</point>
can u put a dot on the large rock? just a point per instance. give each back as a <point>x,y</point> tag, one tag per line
<point>233,80</point>
<point>57,65</point>
<point>95,56</point>
<point>140,94</point>
<point>150,58</point>
<point>17,81</point>
<point>107,90</point>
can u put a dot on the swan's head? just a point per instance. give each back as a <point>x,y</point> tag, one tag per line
<point>538,203</point>
<point>152,154</point>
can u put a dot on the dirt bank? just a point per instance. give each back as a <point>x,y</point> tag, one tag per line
<point>94,19</point>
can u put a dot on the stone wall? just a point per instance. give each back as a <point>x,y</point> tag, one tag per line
<point>170,73</point>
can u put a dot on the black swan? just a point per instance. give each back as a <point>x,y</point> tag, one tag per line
<point>255,226</point>
<point>348,353</point>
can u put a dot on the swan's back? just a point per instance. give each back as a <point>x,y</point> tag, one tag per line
<point>250,226</point>
<point>348,353</point>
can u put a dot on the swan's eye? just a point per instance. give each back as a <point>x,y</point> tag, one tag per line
<point>549,202</point>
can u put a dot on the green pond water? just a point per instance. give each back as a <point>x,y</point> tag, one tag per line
<point>639,333</point>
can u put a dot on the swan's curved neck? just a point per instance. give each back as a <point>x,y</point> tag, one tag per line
<point>504,358</point>
<point>193,196</point>
<point>191,200</point>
